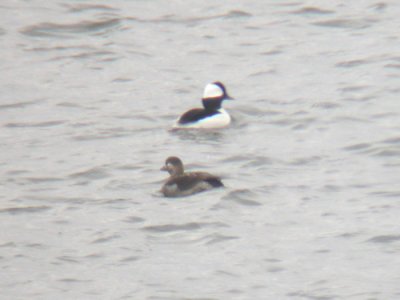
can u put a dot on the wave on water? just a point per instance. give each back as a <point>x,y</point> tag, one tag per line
<point>77,8</point>
<point>384,239</point>
<point>242,197</point>
<point>25,209</point>
<point>68,30</point>
<point>313,11</point>
<point>386,148</point>
<point>34,124</point>
<point>233,14</point>
<point>181,227</point>
<point>91,174</point>
<point>17,105</point>
<point>346,23</point>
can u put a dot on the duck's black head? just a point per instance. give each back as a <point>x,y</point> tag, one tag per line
<point>214,94</point>
<point>173,165</point>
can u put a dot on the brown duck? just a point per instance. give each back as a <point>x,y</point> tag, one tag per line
<point>181,184</point>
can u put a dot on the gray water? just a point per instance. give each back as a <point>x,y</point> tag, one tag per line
<point>311,164</point>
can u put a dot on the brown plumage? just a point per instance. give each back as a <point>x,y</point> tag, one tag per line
<point>184,184</point>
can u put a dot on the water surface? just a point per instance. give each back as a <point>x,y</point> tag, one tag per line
<point>311,163</point>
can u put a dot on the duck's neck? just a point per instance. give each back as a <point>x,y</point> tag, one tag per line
<point>177,171</point>
<point>212,104</point>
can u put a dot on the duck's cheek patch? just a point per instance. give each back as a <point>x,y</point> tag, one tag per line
<point>212,90</point>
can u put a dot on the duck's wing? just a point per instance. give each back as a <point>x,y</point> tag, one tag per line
<point>190,183</point>
<point>195,115</point>
<point>213,180</point>
<point>195,180</point>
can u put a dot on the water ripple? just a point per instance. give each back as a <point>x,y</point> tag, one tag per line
<point>129,259</point>
<point>87,7</point>
<point>346,23</point>
<point>395,141</point>
<point>326,105</point>
<point>358,146</point>
<point>101,54</point>
<point>384,239</point>
<point>34,124</point>
<point>311,295</point>
<point>106,239</point>
<point>387,194</point>
<point>25,209</point>
<point>104,134</point>
<point>9,244</point>
<point>242,197</point>
<point>134,219</point>
<point>92,174</point>
<point>17,105</point>
<point>181,227</point>
<point>234,14</point>
<point>302,161</point>
<point>312,11</point>
<point>43,179</point>
<point>67,258</point>
<point>65,30</point>
<point>386,148</point>
<point>353,63</point>
<point>218,238</point>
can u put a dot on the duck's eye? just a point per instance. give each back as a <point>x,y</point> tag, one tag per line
<point>169,165</point>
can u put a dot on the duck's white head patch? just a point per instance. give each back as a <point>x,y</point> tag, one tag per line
<point>212,91</point>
